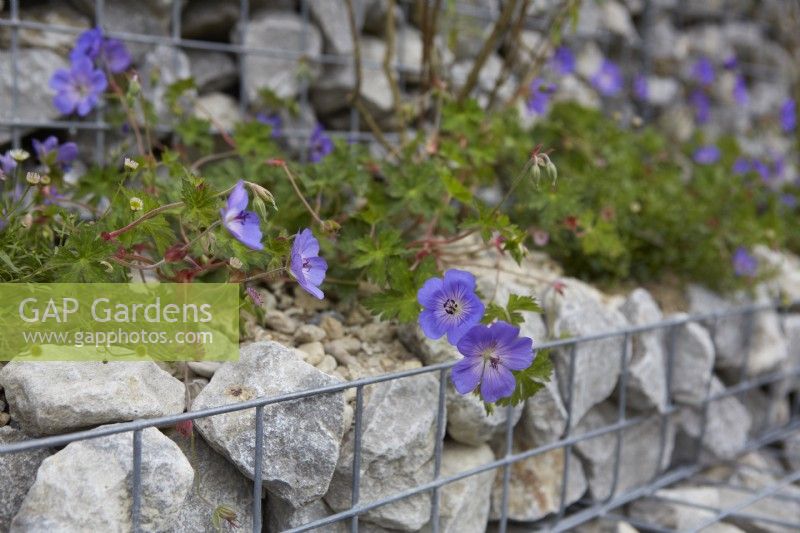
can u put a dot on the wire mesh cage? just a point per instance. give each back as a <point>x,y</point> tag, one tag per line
<point>631,472</point>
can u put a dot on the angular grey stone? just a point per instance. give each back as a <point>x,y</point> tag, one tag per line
<point>642,455</point>
<point>535,485</point>
<point>467,421</point>
<point>768,410</point>
<point>87,486</point>
<point>219,109</point>
<point>301,437</point>
<point>34,100</point>
<point>283,516</point>
<point>58,396</point>
<point>148,17</point>
<point>375,13</point>
<point>212,71</point>
<point>662,91</point>
<point>580,311</point>
<point>786,268</point>
<point>45,14</point>
<point>330,93</point>
<point>727,427</point>
<point>544,418</point>
<point>470,24</point>
<point>17,474</point>
<point>396,452</point>
<point>693,362</point>
<point>647,368</point>
<point>331,17</point>
<point>218,483</point>
<point>162,66</point>
<point>681,517</point>
<point>209,20</point>
<point>464,504</point>
<point>278,31</point>
<point>791,329</point>
<point>761,330</point>
<point>791,451</point>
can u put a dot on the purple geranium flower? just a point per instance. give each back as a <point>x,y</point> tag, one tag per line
<point>703,71</point>
<point>640,89</point>
<point>47,149</point>
<point>451,305</point>
<point>319,145</point>
<point>702,105</point>
<point>706,155</point>
<point>273,120</point>
<point>79,88</point>
<point>740,95</point>
<point>788,115</point>
<point>762,168</point>
<point>244,225</point>
<point>742,166</point>
<point>539,97</point>
<point>490,354</point>
<point>744,264</point>
<point>101,50</point>
<point>7,164</point>
<point>608,79</point>
<point>564,60</point>
<point>789,200</point>
<point>306,264</point>
<point>731,62</point>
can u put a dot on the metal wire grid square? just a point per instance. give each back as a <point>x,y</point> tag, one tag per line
<point>567,516</point>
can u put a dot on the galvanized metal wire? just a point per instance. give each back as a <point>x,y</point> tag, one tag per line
<point>567,516</point>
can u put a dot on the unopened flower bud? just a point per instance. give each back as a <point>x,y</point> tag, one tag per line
<point>19,155</point>
<point>45,180</point>
<point>27,220</point>
<point>536,171</point>
<point>134,87</point>
<point>107,266</point>
<point>33,178</point>
<point>235,263</point>
<point>330,226</point>
<point>552,172</point>
<point>136,204</point>
<point>263,193</point>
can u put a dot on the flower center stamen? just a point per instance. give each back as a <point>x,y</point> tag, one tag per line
<point>450,306</point>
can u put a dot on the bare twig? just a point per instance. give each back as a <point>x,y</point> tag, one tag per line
<point>557,21</point>
<point>389,71</point>
<point>512,55</point>
<point>489,46</point>
<point>355,97</point>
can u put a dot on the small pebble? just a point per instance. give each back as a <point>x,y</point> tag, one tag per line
<point>350,394</point>
<point>309,333</point>
<point>204,368</point>
<point>376,332</point>
<point>349,414</point>
<point>333,328</point>
<point>4,419</point>
<point>280,322</point>
<point>343,347</point>
<point>328,364</point>
<point>313,352</point>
